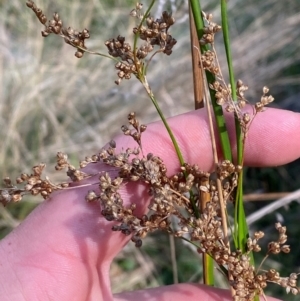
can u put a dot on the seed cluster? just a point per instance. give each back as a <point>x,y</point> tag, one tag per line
<point>55,26</point>
<point>223,92</point>
<point>174,196</point>
<point>209,31</point>
<point>154,33</point>
<point>32,184</point>
<point>171,197</point>
<point>63,163</point>
<point>248,282</point>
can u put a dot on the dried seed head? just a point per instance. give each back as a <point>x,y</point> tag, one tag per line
<point>91,196</point>
<point>209,30</point>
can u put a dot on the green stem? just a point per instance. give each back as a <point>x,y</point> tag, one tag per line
<point>241,231</point>
<point>143,80</point>
<point>218,112</point>
<point>226,40</point>
<point>208,262</point>
<point>240,224</point>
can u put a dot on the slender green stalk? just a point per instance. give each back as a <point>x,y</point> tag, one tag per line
<point>226,39</point>
<point>240,225</point>
<point>208,263</point>
<point>220,120</point>
<point>241,231</point>
<point>143,80</point>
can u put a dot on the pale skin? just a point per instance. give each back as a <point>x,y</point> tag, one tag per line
<point>64,248</point>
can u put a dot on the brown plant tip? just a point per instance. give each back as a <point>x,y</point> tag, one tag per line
<point>137,131</point>
<point>38,12</point>
<point>264,101</point>
<point>55,26</point>
<point>209,30</point>
<point>32,184</point>
<point>137,11</point>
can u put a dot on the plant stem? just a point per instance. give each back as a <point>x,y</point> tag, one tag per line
<point>143,80</point>
<point>241,231</point>
<point>218,112</point>
<point>240,224</point>
<point>207,261</point>
<point>197,74</point>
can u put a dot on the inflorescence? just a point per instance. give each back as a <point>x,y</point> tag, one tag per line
<point>178,195</point>
<point>154,33</point>
<point>169,197</point>
<point>131,58</point>
<point>223,92</point>
<point>55,26</point>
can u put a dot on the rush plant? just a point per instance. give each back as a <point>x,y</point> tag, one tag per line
<point>196,199</point>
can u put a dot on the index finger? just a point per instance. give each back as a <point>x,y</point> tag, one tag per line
<point>272,139</point>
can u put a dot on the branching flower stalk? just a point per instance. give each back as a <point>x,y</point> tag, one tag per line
<point>207,105</point>
<point>170,196</point>
<point>156,30</point>
<point>218,112</point>
<point>155,33</point>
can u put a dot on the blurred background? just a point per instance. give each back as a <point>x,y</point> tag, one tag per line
<point>51,101</point>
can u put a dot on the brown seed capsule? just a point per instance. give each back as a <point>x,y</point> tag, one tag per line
<point>79,54</point>
<point>86,33</point>
<point>138,243</point>
<point>143,128</point>
<point>44,33</point>
<point>265,90</point>
<point>17,198</point>
<point>171,21</point>
<point>35,191</point>
<point>30,4</point>
<point>112,143</point>
<point>91,196</point>
<point>43,19</point>
<point>131,115</point>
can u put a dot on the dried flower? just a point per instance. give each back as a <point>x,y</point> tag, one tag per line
<point>55,26</point>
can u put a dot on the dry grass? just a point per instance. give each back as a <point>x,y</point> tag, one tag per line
<point>51,101</point>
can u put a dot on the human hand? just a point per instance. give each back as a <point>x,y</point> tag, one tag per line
<point>64,248</point>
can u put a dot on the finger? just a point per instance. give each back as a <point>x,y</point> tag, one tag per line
<point>62,242</point>
<point>179,292</point>
<point>271,140</point>
<point>267,137</point>
<point>75,230</point>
